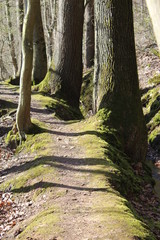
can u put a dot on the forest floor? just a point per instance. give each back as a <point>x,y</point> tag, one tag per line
<point>56,188</point>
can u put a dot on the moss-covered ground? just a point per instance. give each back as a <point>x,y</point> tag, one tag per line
<point>151,106</point>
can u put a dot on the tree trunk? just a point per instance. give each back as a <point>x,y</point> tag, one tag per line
<point>20,16</point>
<point>89,34</point>
<point>3,70</point>
<point>23,112</point>
<point>39,49</point>
<point>11,40</point>
<point>50,19</point>
<point>116,85</point>
<point>68,58</point>
<point>154,10</point>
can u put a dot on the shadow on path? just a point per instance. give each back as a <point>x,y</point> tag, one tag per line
<point>56,185</point>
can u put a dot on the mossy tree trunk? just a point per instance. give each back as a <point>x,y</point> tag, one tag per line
<point>89,34</point>
<point>116,86</point>
<point>68,57</point>
<point>154,11</point>
<point>39,48</point>
<point>23,112</point>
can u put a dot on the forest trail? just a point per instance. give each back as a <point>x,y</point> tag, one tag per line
<point>72,199</point>
<point>75,192</point>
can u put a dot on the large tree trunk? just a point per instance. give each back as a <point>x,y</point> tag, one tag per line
<point>39,52</point>
<point>89,34</point>
<point>116,85</point>
<point>23,112</point>
<point>68,62</point>
<point>154,11</point>
<point>11,40</point>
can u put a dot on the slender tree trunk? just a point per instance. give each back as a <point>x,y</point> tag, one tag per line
<point>3,70</point>
<point>49,18</point>
<point>25,6</point>
<point>23,112</point>
<point>116,85</point>
<point>68,62</point>
<point>20,16</point>
<point>11,40</point>
<point>39,52</point>
<point>89,34</point>
<point>154,10</point>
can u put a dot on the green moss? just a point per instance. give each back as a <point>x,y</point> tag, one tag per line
<point>7,84</point>
<point>59,107</point>
<point>151,103</point>
<point>44,86</point>
<point>36,139</point>
<point>155,80</point>
<point>155,122</point>
<point>154,138</point>
<point>146,98</point>
<point>23,181</point>
<point>35,144</point>
<point>87,92</point>
<point>155,52</point>
<point>12,139</point>
<point>113,172</point>
<point>43,226</point>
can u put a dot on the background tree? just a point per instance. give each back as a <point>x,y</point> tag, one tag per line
<point>23,119</point>
<point>154,10</point>
<point>89,34</point>
<point>39,48</point>
<point>11,40</point>
<point>20,16</point>
<point>116,85</point>
<point>68,56</point>
<point>50,24</point>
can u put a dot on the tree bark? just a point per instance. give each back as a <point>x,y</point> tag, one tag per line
<point>11,40</point>
<point>68,58</point>
<point>50,19</point>
<point>39,49</point>
<point>23,119</point>
<point>20,17</point>
<point>116,86</point>
<point>89,34</point>
<point>154,10</point>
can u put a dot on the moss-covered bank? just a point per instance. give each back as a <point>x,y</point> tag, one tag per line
<point>151,107</point>
<point>113,172</point>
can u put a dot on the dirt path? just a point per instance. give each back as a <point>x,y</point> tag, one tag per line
<point>77,193</point>
<point>74,200</point>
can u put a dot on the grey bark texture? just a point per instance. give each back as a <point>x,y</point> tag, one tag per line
<point>39,48</point>
<point>23,119</point>
<point>20,17</point>
<point>116,86</point>
<point>11,40</point>
<point>68,57</point>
